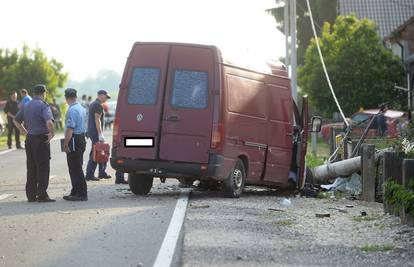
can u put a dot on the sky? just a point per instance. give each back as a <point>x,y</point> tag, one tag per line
<point>90,35</point>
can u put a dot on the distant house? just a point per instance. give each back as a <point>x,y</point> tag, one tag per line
<point>404,37</point>
<point>388,15</point>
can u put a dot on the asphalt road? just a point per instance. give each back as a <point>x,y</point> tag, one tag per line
<point>113,228</point>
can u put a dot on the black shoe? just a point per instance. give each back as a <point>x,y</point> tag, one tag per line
<point>105,176</point>
<point>75,198</point>
<point>121,182</point>
<point>45,199</point>
<point>31,199</point>
<point>92,179</point>
<point>20,147</point>
<point>9,147</point>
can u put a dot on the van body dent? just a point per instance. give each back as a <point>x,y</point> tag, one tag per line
<point>185,112</point>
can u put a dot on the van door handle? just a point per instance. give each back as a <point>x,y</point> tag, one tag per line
<point>172,118</point>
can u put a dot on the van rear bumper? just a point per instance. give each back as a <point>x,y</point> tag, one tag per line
<point>160,168</point>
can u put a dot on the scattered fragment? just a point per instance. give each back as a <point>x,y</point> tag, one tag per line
<point>64,212</point>
<point>364,213</point>
<point>323,215</point>
<point>275,209</point>
<point>285,202</point>
<point>349,206</point>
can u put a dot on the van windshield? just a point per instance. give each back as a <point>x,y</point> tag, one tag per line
<point>190,89</point>
<point>143,86</point>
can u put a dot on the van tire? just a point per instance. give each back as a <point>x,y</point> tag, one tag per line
<point>140,184</point>
<point>234,184</point>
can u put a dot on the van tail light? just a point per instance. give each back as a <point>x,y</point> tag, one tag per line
<point>217,136</point>
<point>115,132</point>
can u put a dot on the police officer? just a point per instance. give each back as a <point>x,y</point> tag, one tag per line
<point>74,145</point>
<point>11,109</point>
<point>38,126</point>
<point>95,133</point>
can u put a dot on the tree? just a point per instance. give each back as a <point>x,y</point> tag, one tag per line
<point>29,68</point>
<point>362,71</point>
<point>323,11</point>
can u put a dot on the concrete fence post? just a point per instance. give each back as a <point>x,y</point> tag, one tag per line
<point>368,172</point>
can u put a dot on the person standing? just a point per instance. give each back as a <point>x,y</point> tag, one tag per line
<point>95,133</point>
<point>74,145</point>
<point>38,126</point>
<point>382,121</point>
<point>11,109</point>
<point>26,98</point>
<point>56,114</point>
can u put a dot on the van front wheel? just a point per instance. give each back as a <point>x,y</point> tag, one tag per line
<point>140,184</point>
<point>234,184</point>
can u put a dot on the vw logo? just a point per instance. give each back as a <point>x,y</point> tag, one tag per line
<point>140,117</point>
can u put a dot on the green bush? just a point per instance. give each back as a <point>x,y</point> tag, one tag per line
<point>396,194</point>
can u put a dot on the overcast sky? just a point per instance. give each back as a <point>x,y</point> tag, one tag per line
<point>90,35</point>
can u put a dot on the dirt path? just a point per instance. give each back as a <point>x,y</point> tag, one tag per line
<point>244,232</point>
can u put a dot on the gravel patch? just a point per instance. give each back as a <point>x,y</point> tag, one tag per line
<point>257,230</point>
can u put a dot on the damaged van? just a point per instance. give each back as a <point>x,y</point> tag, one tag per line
<point>186,112</point>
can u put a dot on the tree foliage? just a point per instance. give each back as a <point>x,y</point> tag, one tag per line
<point>362,71</point>
<point>28,68</point>
<point>323,11</point>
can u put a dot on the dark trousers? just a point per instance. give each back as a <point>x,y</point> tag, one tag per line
<point>12,128</point>
<point>38,166</point>
<point>90,169</point>
<point>75,162</point>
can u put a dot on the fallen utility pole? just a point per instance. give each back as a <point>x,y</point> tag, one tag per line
<point>344,168</point>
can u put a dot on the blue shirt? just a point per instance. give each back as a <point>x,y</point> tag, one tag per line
<point>26,99</point>
<point>35,114</point>
<point>76,118</point>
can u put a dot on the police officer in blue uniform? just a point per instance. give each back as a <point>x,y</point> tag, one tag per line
<point>38,126</point>
<point>74,145</point>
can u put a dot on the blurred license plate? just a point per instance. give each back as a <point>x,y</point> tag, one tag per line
<point>139,141</point>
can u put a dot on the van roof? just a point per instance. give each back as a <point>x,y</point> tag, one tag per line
<point>246,60</point>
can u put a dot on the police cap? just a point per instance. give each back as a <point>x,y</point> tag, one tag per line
<point>39,88</point>
<point>70,92</point>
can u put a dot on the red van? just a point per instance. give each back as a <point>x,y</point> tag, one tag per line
<point>186,112</point>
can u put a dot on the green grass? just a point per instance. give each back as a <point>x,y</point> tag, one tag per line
<point>377,248</point>
<point>366,218</point>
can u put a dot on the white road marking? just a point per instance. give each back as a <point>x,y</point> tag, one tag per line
<point>52,176</point>
<point>166,253</point>
<point>4,196</point>
<point>7,151</point>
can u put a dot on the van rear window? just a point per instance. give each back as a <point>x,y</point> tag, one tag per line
<point>143,86</point>
<point>190,89</point>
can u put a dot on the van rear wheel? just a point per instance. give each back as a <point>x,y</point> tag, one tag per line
<point>234,184</point>
<point>140,184</point>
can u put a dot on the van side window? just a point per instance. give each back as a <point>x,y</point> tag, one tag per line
<point>190,89</point>
<point>143,86</point>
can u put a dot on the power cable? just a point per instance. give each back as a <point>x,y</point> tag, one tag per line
<point>323,65</point>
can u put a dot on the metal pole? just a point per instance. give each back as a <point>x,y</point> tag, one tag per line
<point>286,21</point>
<point>409,92</point>
<point>293,62</point>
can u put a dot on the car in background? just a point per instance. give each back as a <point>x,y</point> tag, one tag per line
<point>360,120</point>
<point>110,114</point>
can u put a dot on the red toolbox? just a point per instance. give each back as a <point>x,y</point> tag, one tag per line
<point>101,152</point>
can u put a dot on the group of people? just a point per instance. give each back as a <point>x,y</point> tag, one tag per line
<point>35,120</point>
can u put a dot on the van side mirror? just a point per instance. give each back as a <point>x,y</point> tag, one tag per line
<point>316,124</point>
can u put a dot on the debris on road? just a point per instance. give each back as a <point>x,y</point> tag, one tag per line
<point>286,202</point>
<point>351,185</point>
<point>323,215</point>
<point>271,209</point>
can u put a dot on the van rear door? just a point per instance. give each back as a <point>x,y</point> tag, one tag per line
<point>141,99</point>
<point>186,124</point>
